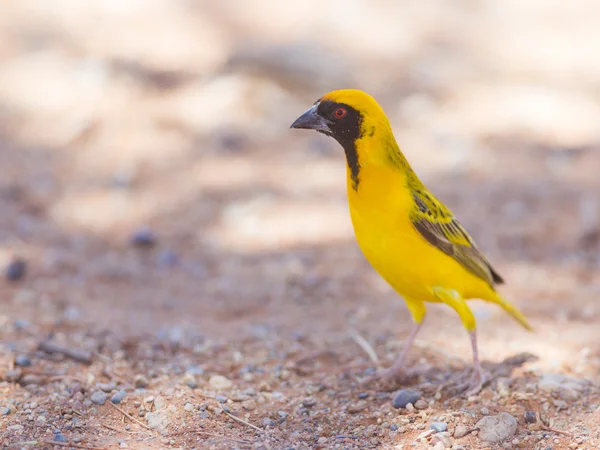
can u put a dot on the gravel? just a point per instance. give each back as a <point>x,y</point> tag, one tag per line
<point>404,397</point>
<point>99,397</point>
<point>118,397</point>
<point>439,427</point>
<point>16,270</point>
<point>497,428</point>
<point>22,361</point>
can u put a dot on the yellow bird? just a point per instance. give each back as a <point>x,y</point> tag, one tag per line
<point>409,237</point>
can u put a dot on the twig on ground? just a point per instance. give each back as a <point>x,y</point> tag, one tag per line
<point>110,427</point>
<point>78,355</point>
<point>241,420</point>
<point>364,344</point>
<point>129,416</point>
<point>73,444</point>
<point>554,430</point>
<point>206,433</point>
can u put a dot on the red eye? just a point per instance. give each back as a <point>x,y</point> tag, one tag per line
<point>340,112</point>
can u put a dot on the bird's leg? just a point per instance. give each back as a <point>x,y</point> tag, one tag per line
<point>398,368</point>
<point>480,377</point>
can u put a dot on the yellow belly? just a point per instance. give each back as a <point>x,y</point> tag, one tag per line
<point>392,245</point>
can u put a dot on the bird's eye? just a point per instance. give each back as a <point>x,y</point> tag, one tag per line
<point>339,113</point>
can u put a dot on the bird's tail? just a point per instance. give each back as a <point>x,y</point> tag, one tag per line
<point>512,310</point>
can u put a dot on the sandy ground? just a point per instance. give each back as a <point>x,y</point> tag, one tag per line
<point>197,254</point>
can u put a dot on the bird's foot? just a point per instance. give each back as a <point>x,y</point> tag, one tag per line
<point>393,375</point>
<point>478,380</point>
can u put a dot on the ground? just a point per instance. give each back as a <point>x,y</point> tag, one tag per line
<point>182,245</point>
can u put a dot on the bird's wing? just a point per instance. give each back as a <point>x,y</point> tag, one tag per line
<point>439,227</point>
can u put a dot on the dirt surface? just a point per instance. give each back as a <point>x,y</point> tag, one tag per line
<point>166,239</point>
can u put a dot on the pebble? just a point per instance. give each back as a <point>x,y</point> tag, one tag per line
<point>98,397</point>
<point>485,411</point>
<point>219,382</point>
<point>268,422</point>
<point>59,437</point>
<point>497,428</point>
<point>565,387</point>
<point>530,417</point>
<point>439,446</point>
<point>405,397</point>
<point>16,270</point>
<point>106,387</point>
<point>167,259</point>
<point>309,402</point>
<point>220,398</point>
<point>439,427</point>
<point>443,437</point>
<point>421,404</point>
<point>188,407</point>
<point>140,381</point>
<point>394,427</point>
<point>118,397</point>
<point>41,420</point>
<point>143,237</point>
<point>5,411</point>
<point>12,375</point>
<point>22,360</point>
<point>158,420</point>
<point>363,395</point>
<point>460,431</point>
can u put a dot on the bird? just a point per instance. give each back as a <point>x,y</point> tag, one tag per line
<point>408,236</point>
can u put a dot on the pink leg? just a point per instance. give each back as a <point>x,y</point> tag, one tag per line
<point>479,377</point>
<point>398,368</point>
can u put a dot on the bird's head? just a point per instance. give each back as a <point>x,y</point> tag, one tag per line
<point>358,123</point>
<point>346,115</point>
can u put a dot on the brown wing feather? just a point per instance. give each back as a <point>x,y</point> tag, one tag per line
<point>440,228</point>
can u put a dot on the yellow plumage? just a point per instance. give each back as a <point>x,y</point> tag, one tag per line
<point>409,237</point>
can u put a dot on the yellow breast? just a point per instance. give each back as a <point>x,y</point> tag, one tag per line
<point>380,210</point>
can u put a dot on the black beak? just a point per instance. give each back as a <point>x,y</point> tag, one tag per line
<point>311,120</point>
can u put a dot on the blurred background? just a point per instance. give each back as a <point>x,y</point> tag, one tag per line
<point>151,184</point>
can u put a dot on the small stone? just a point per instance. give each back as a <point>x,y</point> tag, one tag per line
<point>190,380</point>
<point>167,259</point>
<point>22,360</point>
<point>460,431</point>
<point>497,428</point>
<point>394,427</point>
<point>140,381</point>
<point>98,397</point>
<point>421,404</point>
<point>220,383</point>
<point>158,420</point>
<point>204,415</point>
<point>405,397</point>
<point>443,437</point>
<point>357,407</point>
<point>118,397</point>
<point>123,444</point>
<point>530,417</point>
<point>22,324</point>
<point>363,395</point>
<point>220,398</point>
<point>249,405</point>
<point>485,411</point>
<point>188,407</point>
<point>143,238</point>
<point>322,440</point>
<point>567,388</point>
<point>16,270</point>
<point>41,420</point>
<point>59,437</point>
<point>106,387</point>
<point>309,402</point>
<point>12,375</point>
<point>439,446</point>
<point>282,414</point>
<point>268,422</point>
<point>439,427</point>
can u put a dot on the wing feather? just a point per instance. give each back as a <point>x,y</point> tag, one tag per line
<point>439,227</point>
